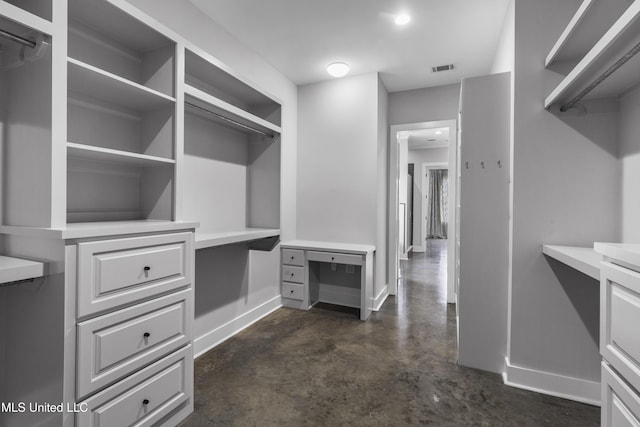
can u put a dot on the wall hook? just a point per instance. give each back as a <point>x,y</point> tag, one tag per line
<point>482,164</point>
<point>466,165</point>
<point>500,163</point>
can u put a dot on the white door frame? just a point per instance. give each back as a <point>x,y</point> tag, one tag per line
<point>425,181</point>
<point>393,202</point>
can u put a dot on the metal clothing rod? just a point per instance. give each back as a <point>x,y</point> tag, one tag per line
<point>226,119</point>
<point>10,36</point>
<point>619,63</point>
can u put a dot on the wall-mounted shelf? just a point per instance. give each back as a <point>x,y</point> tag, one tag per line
<point>111,88</point>
<point>107,154</point>
<point>226,113</point>
<point>14,269</point>
<point>35,14</point>
<point>212,239</point>
<point>617,42</point>
<point>590,22</point>
<point>629,254</point>
<point>585,260</point>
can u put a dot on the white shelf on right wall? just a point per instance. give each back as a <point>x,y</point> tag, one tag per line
<point>585,260</point>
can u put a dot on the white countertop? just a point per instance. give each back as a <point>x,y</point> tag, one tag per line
<point>585,260</point>
<point>347,248</point>
<point>627,253</point>
<point>12,269</point>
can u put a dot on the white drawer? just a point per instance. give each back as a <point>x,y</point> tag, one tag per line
<point>293,274</point>
<point>292,291</point>
<point>334,257</point>
<point>293,257</point>
<point>145,397</point>
<point>116,344</point>
<point>620,403</point>
<point>115,272</point>
<point>619,320</point>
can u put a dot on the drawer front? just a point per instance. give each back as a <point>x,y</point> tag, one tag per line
<point>293,257</point>
<point>293,274</point>
<point>113,345</point>
<point>620,317</point>
<point>144,398</point>
<point>620,403</point>
<point>292,291</point>
<point>115,272</point>
<point>334,257</point>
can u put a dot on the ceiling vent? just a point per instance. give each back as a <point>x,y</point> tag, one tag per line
<point>440,68</point>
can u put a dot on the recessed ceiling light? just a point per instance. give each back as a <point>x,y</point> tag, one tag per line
<point>338,69</point>
<point>402,19</point>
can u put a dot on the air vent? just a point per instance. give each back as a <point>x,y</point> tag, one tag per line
<point>440,68</point>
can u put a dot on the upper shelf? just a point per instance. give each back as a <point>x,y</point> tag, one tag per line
<point>108,154</point>
<point>13,269</point>
<point>590,22</point>
<point>36,15</point>
<point>585,260</point>
<point>228,113</point>
<point>617,41</point>
<point>96,83</point>
<point>220,238</point>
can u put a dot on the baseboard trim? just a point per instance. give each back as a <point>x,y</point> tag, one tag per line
<point>222,333</point>
<point>556,385</point>
<point>381,298</point>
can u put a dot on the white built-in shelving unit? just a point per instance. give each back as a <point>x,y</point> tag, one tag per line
<point>599,35</point>
<point>585,260</point>
<point>232,155</point>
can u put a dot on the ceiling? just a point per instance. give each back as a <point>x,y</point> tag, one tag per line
<point>426,138</point>
<point>301,37</point>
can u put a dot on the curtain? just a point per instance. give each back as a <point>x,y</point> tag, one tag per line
<point>437,204</point>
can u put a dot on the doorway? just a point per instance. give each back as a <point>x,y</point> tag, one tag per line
<point>400,137</point>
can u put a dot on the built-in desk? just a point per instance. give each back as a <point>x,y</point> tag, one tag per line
<point>330,272</point>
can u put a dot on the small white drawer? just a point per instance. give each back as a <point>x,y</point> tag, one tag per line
<point>619,320</point>
<point>620,403</point>
<point>116,272</point>
<point>292,291</point>
<point>293,257</point>
<point>293,274</point>
<point>145,397</point>
<point>113,345</point>
<point>333,257</point>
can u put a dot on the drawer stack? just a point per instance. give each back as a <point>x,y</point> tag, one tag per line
<point>620,345</point>
<point>293,275</point>
<point>134,331</point>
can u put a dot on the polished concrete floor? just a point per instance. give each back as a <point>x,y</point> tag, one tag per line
<point>325,367</point>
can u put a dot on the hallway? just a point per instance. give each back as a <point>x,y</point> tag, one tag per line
<point>324,367</point>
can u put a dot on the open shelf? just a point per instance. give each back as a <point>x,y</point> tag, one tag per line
<point>585,260</point>
<point>96,83</point>
<point>626,253</point>
<point>13,269</point>
<point>106,154</point>
<point>227,114</point>
<point>38,8</point>
<point>211,239</point>
<point>618,40</point>
<point>590,22</point>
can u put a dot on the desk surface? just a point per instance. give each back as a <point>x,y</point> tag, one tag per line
<point>350,248</point>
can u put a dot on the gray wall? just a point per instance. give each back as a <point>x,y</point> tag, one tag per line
<point>424,105</point>
<point>382,262</point>
<point>630,155</point>
<point>565,182</point>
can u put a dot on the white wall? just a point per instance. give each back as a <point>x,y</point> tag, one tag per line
<point>381,273</point>
<point>339,168</point>
<point>629,138</point>
<point>418,157</point>
<point>565,178</point>
<point>424,105</point>
<point>505,53</point>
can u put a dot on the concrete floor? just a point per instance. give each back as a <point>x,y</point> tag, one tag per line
<point>325,367</point>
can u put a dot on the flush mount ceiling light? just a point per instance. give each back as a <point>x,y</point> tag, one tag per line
<point>402,19</point>
<point>338,69</point>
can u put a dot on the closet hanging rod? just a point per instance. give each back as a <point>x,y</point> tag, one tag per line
<point>226,119</point>
<point>10,36</point>
<point>619,63</point>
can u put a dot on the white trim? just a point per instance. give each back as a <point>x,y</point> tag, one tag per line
<point>217,336</point>
<point>381,298</point>
<point>571,388</point>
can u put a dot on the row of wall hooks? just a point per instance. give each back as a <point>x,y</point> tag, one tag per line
<point>483,164</point>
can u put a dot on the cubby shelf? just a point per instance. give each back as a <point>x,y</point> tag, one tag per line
<point>617,41</point>
<point>14,269</point>
<point>586,27</point>
<point>220,238</point>
<point>27,17</point>
<point>107,154</point>
<point>585,260</point>
<point>228,113</point>
<point>108,87</point>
